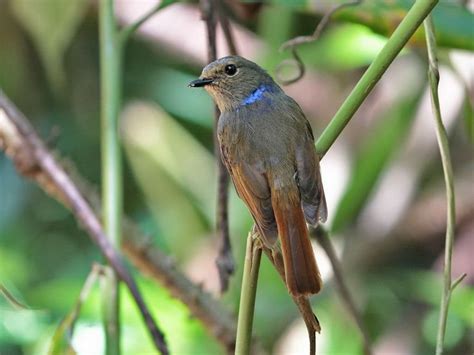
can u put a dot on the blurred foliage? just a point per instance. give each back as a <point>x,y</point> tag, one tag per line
<point>52,25</point>
<point>375,153</point>
<point>453,21</point>
<point>49,67</point>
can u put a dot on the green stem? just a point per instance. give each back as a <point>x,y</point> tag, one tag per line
<point>253,255</point>
<point>126,32</point>
<point>433,75</point>
<point>110,81</point>
<point>408,26</point>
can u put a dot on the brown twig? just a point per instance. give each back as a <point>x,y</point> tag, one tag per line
<point>151,261</point>
<point>321,235</point>
<point>293,43</point>
<point>224,22</point>
<point>37,162</point>
<point>225,262</point>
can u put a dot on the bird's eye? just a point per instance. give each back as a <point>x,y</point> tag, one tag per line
<point>230,69</point>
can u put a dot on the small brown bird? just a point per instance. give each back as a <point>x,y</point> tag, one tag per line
<point>268,147</point>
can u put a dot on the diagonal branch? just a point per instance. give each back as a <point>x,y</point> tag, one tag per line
<point>37,162</point>
<point>20,143</point>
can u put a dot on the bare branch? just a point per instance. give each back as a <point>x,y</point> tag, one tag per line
<point>19,141</point>
<point>225,24</point>
<point>32,159</point>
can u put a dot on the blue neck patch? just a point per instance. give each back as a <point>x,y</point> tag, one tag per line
<point>256,95</point>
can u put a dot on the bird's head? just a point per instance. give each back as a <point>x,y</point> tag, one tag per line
<point>232,80</point>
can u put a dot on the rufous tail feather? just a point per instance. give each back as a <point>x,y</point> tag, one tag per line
<point>301,271</point>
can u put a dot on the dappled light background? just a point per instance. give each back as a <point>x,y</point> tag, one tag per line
<point>383,179</point>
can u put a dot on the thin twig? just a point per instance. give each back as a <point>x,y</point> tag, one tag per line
<point>433,76</point>
<point>458,281</point>
<point>33,159</point>
<point>321,235</point>
<point>224,261</point>
<point>226,28</point>
<point>293,43</point>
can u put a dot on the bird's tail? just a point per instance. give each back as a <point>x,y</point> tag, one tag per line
<point>301,271</point>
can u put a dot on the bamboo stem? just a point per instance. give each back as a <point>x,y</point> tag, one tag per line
<point>110,81</point>
<point>253,255</point>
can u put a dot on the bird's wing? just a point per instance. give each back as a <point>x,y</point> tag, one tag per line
<point>309,177</point>
<point>252,187</point>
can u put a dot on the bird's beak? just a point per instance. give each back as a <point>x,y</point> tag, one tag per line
<point>200,82</point>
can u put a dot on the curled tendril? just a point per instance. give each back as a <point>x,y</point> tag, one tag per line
<point>293,43</point>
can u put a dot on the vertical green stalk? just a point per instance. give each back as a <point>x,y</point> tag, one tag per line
<point>433,76</point>
<point>406,28</point>
<point>253,255</point>
<point>110,83</point>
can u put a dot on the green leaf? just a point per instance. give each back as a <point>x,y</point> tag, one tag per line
<point>51,25</point>
<point>377,150</point>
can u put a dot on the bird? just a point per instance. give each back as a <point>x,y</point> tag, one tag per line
<point>267,146</point>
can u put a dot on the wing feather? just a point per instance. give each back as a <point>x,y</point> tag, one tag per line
<point>252,186</point>
<point>309,178</point>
